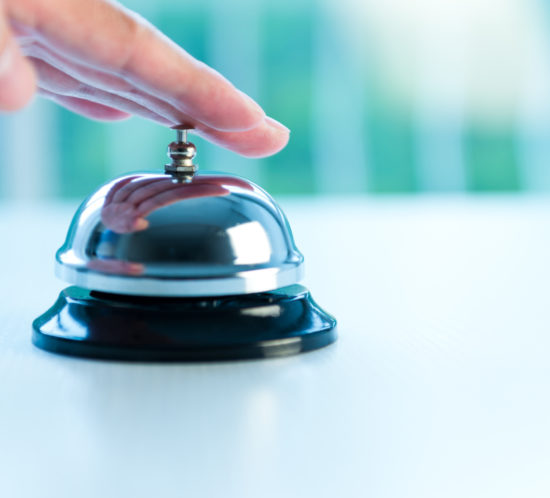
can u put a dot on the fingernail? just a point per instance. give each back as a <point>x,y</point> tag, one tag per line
<point>275,124</point>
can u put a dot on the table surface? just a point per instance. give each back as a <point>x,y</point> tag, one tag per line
<point>437,387</point>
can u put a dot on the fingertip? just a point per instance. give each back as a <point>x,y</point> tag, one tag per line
<point>265,140</point>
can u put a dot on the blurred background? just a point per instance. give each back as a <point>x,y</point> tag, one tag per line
<point>382,97</point>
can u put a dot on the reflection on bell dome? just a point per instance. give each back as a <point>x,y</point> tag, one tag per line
<point>147,234</point>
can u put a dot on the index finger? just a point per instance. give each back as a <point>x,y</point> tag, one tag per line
<point>107,36</point>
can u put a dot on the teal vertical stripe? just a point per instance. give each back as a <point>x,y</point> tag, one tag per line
<point>390,133</point>
<point>492,159</point>
<point>286,92</point>
<point>187,25</point>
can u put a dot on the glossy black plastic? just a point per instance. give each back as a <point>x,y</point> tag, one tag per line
<point>109,326</point>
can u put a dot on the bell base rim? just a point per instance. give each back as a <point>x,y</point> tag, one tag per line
<point>89,324</point>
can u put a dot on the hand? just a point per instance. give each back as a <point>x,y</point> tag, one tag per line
<point>105,62</point>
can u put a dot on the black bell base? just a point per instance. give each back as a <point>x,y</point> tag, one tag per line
<point>115,327</point>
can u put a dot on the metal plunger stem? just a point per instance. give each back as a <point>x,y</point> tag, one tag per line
<point>182,136</point>
<point>182,153</point>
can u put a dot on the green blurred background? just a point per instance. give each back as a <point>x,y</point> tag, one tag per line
<point>381,97</point>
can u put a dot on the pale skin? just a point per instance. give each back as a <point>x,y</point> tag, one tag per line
<point>105,62</point>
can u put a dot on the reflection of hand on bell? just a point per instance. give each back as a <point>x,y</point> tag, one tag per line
<point>130,201</point>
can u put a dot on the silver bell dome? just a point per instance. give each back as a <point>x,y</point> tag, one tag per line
<point>150,235</point>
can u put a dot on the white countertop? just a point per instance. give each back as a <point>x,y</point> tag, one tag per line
<point>437,387</point>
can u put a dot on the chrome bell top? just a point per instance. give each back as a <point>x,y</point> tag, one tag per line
<point>180,234</point>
